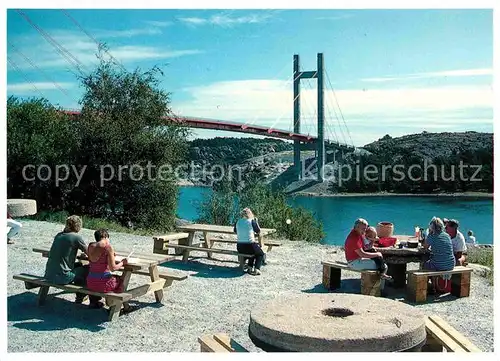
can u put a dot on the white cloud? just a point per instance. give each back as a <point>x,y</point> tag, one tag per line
<point>438,74</point>
<point>33,87</point>
<point>270,103</point>
<point>84,50</point>
<point>226,20</point>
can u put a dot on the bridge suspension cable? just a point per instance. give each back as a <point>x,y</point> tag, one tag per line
<point>275,77</point>
<point>23,74</point>
<point>99,44</point>
<point>338,120</point>
<point>340,110</point>
<point>49,78</point>
<point>65,53</point>
<point>312,119</point>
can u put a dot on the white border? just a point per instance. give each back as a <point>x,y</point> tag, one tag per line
<point>256,4</point>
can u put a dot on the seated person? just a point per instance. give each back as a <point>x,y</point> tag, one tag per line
<point>439,242</point>
<point>102,263</point>
<point>61,267</point>
<point>368,244</point>
<point>470,240</point>
<point>356,256</point>
<point>457,241</point>
<point>246,228</point>
<point>14,226</point>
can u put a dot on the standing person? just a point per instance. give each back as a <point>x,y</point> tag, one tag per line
<point>356,256</point>
<point>15,228</point>
<point>439,243</point>
<point>246,228</point>
<point>102,263</point>
<point>61,267</point>
<point>471,240</point>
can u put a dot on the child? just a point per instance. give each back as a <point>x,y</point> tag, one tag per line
<point>368,242</point>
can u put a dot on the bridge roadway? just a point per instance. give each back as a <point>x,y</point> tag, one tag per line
<point>203,123</point>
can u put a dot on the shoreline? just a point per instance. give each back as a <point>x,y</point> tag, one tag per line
<point>386,194</point>
<point>370,194</point>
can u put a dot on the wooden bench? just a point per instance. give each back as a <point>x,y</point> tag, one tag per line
<point>168,276</point>
<point>370,280</point>
<point>441,336</point>
<point>187,249</point>
<point>113,300</point>
<point>220,342</point>
<point>159,241</point>
<point>416,290</point>
<point>267,243</point>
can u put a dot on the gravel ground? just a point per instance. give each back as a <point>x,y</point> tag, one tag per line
<point>216,297</point>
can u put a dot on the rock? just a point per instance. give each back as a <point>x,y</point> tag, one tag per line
<point>336,323</point>
<point>21,207</point>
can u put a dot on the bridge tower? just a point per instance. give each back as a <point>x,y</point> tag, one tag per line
<point>320,145</point>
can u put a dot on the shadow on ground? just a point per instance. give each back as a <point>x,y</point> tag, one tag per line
<point>206,270</point>
<point>56,314</point>
<point>59,314</point>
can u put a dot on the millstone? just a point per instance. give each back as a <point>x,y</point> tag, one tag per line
<point>21,207</point>
<point>337,323</point>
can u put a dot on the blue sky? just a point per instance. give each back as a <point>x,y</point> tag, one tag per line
<point>392,71</point>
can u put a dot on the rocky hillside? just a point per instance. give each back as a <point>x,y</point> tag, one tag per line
<point>432,145</point>
<point>234,150</point>
<point>269,160</point>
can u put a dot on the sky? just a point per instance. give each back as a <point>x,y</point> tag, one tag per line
<point>386,71</point>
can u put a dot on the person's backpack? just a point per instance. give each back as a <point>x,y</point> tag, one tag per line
<point>442,284</point>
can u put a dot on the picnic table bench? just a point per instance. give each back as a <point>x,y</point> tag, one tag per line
<point>440,335</point>
<point>267,243</point>
<point>219,342</point>
<point>417,282</point>
<point>185,244</point>
<point>370,280</point>
<point>143,264</point>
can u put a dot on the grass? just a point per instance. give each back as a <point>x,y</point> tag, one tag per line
<point>88,222</point>
<point>482,256</point>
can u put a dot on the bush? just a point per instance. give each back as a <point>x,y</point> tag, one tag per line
<point>88,222</point>
<point>482,256</point>
<point>223,207</point>
<point>120,125</point>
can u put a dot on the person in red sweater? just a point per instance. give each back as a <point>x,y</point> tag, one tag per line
<point>356,256</point>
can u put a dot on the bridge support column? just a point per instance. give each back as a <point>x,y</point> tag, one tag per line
<point>321,121</point>
<point>296,116</point>
<point>320,144</point>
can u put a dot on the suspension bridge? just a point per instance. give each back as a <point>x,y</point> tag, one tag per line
<point>319,143</point>
<point>326,140</point>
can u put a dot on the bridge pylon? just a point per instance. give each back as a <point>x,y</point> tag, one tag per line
<point>320,144</point>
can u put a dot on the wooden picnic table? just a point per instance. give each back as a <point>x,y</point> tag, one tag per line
<point>398,258</point>
<point>140,263</point>
<point>207,229</point>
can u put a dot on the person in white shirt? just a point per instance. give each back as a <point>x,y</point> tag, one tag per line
<point>14,227</point>
<point>457,240</point>
<point>471,240</point>
<point>246,229</point>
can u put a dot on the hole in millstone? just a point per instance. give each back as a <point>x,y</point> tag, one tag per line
<point>337,312</point>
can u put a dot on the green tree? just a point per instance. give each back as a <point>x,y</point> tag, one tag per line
<point>120,134</point>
